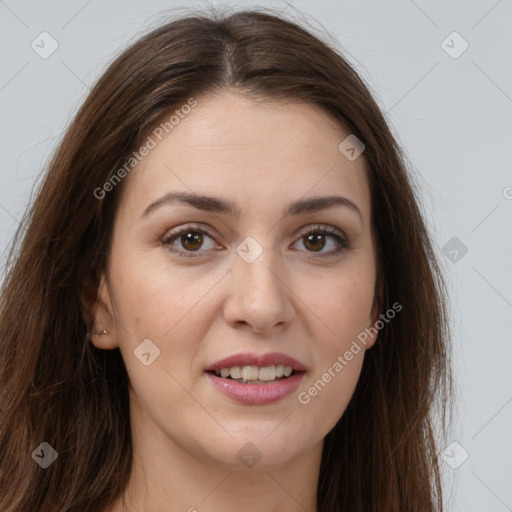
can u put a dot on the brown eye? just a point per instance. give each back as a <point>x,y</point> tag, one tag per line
<point>315,242</point>
<point>316,239</point>
<point>189,242</point>
<point>192,241</point>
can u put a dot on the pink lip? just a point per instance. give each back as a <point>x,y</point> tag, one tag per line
<point>251,359</point>
<point>257,394</point>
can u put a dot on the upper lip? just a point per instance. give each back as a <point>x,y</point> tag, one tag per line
<point>253,359</point>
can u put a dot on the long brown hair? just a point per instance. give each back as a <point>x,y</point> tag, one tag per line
<point>58,388</point>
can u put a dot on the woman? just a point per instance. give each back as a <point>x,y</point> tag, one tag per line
<point>225,295</point>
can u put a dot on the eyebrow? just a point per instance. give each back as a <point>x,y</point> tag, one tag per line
<point>222,206</point>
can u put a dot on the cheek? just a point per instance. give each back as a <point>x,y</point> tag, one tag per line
<point>328,391</point>
<point>169,306</point>
<point>169,310</point>
<point>151,294</point>
<point>330,386</point>
<point>343,302</point>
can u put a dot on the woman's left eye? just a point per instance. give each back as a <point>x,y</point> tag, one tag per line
<point>314,239</point>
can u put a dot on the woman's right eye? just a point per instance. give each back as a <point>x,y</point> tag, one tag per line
<point>190,239</point>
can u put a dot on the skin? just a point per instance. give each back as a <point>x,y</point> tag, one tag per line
<point>200,310</point>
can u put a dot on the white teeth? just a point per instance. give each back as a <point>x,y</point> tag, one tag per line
<point>267,373</point>
<point>250,372</point>
<point>234,371</point>
<point>255,373</point>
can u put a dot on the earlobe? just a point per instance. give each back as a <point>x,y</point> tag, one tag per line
<point>372,332</point>
<point>103,339</point>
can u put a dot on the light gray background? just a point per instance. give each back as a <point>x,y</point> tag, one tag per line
<point>452,115</point>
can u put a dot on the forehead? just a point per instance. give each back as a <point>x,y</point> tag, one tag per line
<point>276,150</point>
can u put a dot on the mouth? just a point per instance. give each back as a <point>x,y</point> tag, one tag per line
<point>252,374</point>
<point>256,379</point>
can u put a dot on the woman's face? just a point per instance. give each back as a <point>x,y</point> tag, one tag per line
<point>191,283</point>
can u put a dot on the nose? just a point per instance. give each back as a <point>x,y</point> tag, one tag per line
<point>259,298</point>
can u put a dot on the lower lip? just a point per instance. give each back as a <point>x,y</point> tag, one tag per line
<point>257,394</point>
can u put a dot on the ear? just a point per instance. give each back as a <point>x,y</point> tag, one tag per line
<point>372,331</point>
<point>98,314</point>
<point>375,315</point>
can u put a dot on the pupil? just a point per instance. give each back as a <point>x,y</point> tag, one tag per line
<point>312,239</point>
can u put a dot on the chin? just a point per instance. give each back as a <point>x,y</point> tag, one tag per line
<point>260,447</point>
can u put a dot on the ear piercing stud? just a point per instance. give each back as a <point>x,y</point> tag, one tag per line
<point>99,333</point>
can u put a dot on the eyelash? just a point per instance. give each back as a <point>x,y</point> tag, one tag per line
<point>343,243</point>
